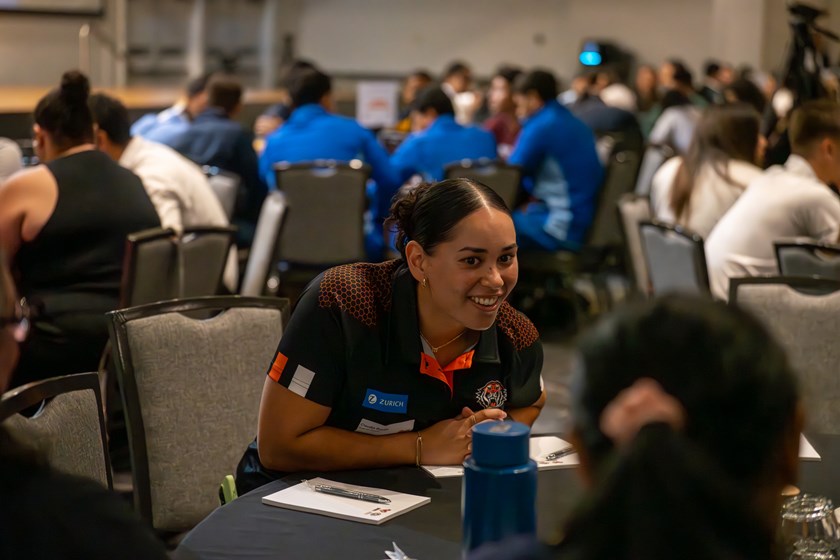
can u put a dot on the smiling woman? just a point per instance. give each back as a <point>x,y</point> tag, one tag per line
<point>394,363</point>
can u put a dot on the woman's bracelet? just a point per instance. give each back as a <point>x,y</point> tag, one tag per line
<point>418,449</point>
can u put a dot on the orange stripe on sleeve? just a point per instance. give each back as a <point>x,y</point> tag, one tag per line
<point>278,366</point>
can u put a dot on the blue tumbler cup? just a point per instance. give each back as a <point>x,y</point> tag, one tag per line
<point>499,493</point>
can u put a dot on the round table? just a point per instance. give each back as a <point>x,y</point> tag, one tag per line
<point>247,529</point>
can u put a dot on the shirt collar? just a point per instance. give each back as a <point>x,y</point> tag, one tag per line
<point>798,165</point>
<point>404,335</point>
<point>131,151</point>
<point>550,105</point>
<point>211,113</point>
<point>306,112</point>
<point>444,122</point>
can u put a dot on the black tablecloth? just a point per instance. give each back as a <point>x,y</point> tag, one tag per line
<point>247,529</point>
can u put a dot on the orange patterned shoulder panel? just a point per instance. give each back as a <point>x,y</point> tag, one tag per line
<point>518,328</point>
<point>360,289</point>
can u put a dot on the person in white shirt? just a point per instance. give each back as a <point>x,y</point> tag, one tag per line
<point>177,187</point>
<point>696,190</point>
<point>11,158</point>
<point>790,201</point>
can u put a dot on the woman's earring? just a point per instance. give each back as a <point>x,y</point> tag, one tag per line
<point>425,282</point>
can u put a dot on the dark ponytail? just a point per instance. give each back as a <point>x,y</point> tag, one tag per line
<point>64,113</point>
<point>675,494</point>
<point>663,498</point>
<point>429,212</point>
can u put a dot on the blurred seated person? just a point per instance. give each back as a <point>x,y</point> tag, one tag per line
<point>439,140</point>
<point>215,138</point>
<point>457,84</point>
<point>562,172</point>
<point>314,132</point>
<point>578,88</point>
<point>85,520</point>
<point>696,190</point>
<point>744,90</point>
<point>716,78</point>
<point>686,418</point>
<point>169,123</point>
<point>63,226</point>
<point>416,81</point>
<point>603,117</point>
<point>431,328</point>
<point>646,87</point>
<point>609,88</point>
<point>790,201</point>
<point>675,75</point>
<point>676,124</point>
<point>275,115</point>
<point>503,123</point>
<point>177,187</point>
<point>11,158</point>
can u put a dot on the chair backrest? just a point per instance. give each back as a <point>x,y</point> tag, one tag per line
<point>655,156</point>
<point>161,265</point>
<point>262,257</point>
<point>204,253</point>
<point>675,257</point>
<point>324,222</point>
<point>808,259</point>
<point>150,269</point>
<point>226,186</point>
<point>633,210</point>
<point>499,176</point>
<point>191,391</point>
<point>69,428</point>
<point>803,314</point>
<point>620,179</point>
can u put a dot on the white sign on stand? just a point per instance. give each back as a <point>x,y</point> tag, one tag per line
<point>376,103</point>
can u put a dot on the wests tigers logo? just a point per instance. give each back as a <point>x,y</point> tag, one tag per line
<point>492,395</point>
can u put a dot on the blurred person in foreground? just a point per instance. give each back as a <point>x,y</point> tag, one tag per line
<point>686,418</point>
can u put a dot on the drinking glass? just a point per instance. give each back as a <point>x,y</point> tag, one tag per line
<point>808,526</point>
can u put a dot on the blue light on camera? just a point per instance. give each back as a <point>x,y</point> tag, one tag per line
<point>590,58</point>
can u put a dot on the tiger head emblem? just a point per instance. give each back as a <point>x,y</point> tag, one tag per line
<point>492,395</point>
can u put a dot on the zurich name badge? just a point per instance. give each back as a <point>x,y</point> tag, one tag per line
<point>385,402</point>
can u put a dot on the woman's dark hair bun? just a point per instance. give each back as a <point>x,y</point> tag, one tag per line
<point>75,88</point>
<point>402,210</point>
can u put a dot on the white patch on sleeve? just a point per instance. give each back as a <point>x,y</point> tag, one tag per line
<point>372,428</point>
<point>301,381</point>
<point>542,385</point>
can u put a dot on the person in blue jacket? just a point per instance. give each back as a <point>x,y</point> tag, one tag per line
<point>560,166</point>
<point>313,132</point>
<point>439,140</point>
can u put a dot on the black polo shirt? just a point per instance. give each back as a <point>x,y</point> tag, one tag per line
<point>353,344</point>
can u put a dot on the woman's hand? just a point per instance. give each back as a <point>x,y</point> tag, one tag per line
<point>449,441</point>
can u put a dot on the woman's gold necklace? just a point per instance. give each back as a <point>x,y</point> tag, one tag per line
<point>435,349</point>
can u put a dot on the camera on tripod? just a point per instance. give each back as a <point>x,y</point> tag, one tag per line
<point>804,62</point>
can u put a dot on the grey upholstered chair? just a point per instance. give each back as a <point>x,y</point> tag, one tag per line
<point>804,316</point>
<point>69,427</point>
<point>259,276</point>
<point>324,222</point>
<point>191,391</point>
<point>622,168</point>
<point>675,257</point>
<point>655,155</point>
<point>632,211</point>
<point>800,258</point>
<point>226,187</point>
<point>162,265</point>
<point>499,176</point>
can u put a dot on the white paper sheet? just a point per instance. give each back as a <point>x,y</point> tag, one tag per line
<point>303,498</point>
<point>540,446</point>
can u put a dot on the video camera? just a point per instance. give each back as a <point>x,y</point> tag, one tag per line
<point>804,62</point>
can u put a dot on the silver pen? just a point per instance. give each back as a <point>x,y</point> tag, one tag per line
<point>335,491</point>
<point>560,453</point>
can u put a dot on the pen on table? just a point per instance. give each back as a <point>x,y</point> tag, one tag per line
<point>335,491</point>
<point>560,453</point>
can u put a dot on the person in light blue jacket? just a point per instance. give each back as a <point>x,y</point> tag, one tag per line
<point>560,165</point>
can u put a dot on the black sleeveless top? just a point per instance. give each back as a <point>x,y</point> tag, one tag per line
<point>72,269</point>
